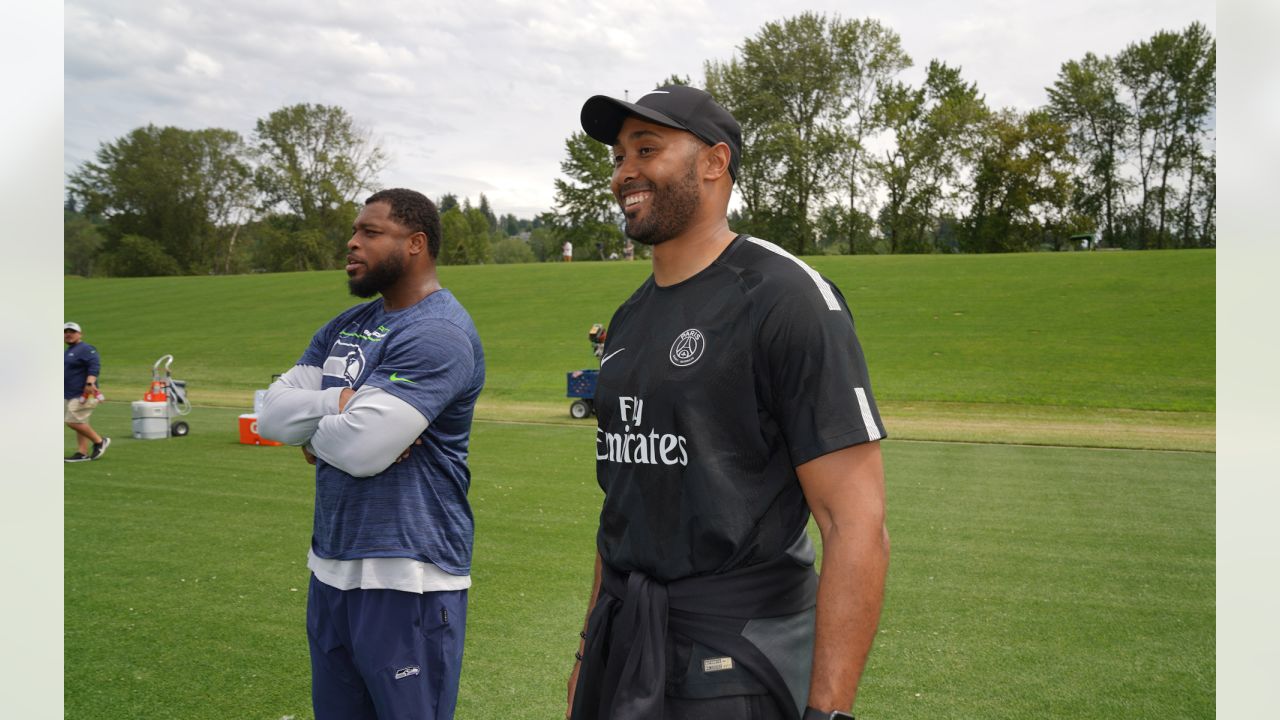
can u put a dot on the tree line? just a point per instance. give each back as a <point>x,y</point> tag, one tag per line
<point>841,156</point>
<point>167,200</point>
<point>171,201</point>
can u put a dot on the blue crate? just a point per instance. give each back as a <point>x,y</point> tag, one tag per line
<point>581,383</point>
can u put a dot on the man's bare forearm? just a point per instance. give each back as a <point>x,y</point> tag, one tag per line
<point>582,644</point>
<point>855,561</point>
<point>845,492</point>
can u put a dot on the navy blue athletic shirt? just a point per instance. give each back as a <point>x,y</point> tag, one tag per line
<point>429,356</point>
<point>78,363</point>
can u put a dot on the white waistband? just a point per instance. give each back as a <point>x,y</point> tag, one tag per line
<point>404,574</point>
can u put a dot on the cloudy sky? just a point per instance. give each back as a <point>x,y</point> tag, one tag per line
<point>478,96</point>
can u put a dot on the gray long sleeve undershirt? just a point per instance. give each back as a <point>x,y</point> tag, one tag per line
<point>362,441</point>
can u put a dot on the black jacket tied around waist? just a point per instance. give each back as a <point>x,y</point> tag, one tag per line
<point>623,674</point>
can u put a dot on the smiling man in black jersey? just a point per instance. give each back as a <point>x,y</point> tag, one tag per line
<point>733,401</point>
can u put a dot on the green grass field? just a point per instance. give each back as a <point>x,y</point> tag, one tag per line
<point>1026,580</point>
<point>987,338</point>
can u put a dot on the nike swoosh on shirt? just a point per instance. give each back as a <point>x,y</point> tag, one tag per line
<point>397,378</point>
<point>605,359</point>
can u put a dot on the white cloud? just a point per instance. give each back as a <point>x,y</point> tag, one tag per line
<point>197,63</point>
<point>103,47</point>
<point>473,96</point>
<point>390,84</point>
<point>354,50</point>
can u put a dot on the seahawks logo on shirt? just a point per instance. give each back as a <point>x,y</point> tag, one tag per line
<point>345,361</point>
<point>687,348</point>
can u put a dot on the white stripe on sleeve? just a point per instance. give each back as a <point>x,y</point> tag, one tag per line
<point>873,430</point>
<point>823,287</point>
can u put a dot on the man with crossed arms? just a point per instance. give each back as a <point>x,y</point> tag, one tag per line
<point>381,403</point>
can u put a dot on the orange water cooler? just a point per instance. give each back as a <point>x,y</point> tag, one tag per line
<point>249,431</point>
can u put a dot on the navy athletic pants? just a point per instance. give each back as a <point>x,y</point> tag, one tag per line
<point>384,653</point>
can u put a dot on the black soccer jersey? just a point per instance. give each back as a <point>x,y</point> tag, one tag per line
<point>710,393</point>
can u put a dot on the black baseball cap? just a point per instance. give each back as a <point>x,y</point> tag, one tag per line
<point>677,106</point>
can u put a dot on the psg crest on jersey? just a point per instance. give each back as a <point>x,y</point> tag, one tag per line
<point>687,348</point>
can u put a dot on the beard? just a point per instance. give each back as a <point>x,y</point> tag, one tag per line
<point>671,209</point>
<point>377,278</point>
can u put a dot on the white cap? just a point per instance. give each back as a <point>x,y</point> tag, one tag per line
<point>71,326</point>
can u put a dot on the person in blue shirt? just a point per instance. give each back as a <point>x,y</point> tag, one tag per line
<point>80,394</point>
<point>381,403</point>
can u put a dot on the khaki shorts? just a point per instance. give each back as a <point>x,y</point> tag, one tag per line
<point>78,410</point>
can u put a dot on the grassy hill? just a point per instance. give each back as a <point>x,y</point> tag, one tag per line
<point>1080,579</point>
<point>1072,348</point>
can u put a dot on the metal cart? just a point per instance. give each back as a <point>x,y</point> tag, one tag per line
<point>173,393</point>
<point>581,384</point>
